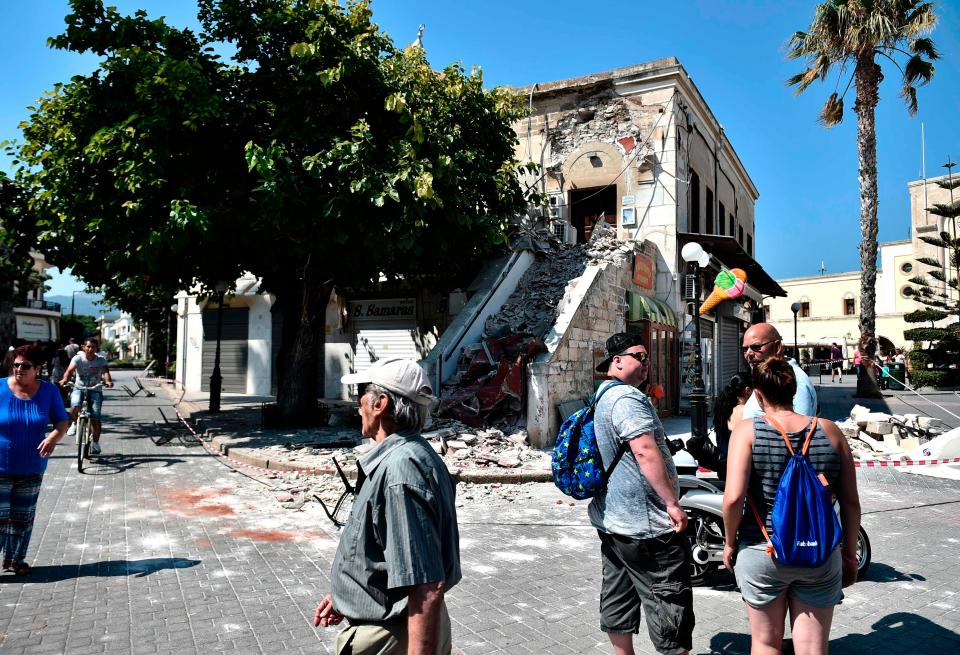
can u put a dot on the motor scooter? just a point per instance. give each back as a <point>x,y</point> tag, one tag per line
<point>702,499</point>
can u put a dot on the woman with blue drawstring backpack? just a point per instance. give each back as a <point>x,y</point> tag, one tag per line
<point>784,543</point>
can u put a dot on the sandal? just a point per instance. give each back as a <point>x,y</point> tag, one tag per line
<point>22,568</point>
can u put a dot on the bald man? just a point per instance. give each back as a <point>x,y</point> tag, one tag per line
<point>762,341</point>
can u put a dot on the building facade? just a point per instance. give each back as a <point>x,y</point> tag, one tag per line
<point>639,149</point>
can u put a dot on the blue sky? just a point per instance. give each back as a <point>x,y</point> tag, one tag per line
<point>808,209</point>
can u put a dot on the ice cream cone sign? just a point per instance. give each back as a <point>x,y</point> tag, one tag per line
<point>727,286</point>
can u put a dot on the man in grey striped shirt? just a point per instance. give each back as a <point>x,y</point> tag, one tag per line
<point>399,552</point>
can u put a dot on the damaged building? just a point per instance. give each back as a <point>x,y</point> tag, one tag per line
<point>639,150</point>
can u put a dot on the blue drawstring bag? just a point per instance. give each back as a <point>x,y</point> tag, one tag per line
<point>806,530</point>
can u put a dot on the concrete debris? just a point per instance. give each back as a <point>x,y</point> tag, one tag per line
<point>882,436</point>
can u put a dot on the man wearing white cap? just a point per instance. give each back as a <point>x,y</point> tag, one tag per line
<point>399,551</point>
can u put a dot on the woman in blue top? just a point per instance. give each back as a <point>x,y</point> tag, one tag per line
<point>27,407</point>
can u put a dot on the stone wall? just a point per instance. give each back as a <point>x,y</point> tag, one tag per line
<point>593,309</point>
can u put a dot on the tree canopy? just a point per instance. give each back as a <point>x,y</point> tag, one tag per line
<point>320,155</point>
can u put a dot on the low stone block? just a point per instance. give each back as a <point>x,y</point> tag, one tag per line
<point>891,439</point>
<point>879,429</point>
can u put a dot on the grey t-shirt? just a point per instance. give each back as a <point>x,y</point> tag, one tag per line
<point>89,371</point>
<point>629,507</point>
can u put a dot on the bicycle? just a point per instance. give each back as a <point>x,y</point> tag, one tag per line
<point>83,427</point>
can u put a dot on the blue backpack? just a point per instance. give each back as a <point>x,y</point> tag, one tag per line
<point>806,530</point>
<point>577,464</point>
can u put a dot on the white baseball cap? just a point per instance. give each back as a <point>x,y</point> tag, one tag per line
<point>402,376</point>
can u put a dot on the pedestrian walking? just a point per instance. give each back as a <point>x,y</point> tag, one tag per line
<point>836,362</point>
<point>72,348</point>
<point>757,459</point>
<point>857,358</point>
<point>646,558</point>
<point>28,405</point>
<point>399,552</point>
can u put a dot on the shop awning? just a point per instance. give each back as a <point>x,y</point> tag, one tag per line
<point>645,308</point>
<point>732,255</point>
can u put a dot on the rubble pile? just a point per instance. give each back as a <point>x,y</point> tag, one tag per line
<point>533,306</point>
<point>882,436</point>
<point>468,448</point>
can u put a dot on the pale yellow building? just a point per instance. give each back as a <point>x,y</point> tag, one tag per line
<point>830,304</point>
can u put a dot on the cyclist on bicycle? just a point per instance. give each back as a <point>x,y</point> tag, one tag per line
<point>89,369</point>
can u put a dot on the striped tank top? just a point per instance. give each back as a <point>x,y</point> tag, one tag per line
<point>770,457</point>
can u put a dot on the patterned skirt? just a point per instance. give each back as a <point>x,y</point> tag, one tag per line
<point>18,505</point>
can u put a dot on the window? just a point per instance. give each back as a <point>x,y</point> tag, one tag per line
<point>694,202</point>
<point>741,235</point>
<point>750,245</point>
<point>849,306</point>
<point>720,214</point>
<point>907,292</point>
<point>708,224</point>
<point>766,313</point>
<point>804,309</point>
<point>733,225</point>
<point>907,268</point>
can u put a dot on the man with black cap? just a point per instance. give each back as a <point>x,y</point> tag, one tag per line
<point>645,556</point>
<point>399,551</point>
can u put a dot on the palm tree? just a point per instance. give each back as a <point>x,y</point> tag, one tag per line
<point>848,36</point>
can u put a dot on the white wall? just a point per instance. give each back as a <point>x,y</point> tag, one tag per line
<point>259,342</point>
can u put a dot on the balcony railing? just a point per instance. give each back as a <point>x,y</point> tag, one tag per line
<point>43,304</point>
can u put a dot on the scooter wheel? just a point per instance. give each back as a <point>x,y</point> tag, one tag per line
<point>864,553</point>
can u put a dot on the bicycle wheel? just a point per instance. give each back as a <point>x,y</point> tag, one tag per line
<point>83,441</point>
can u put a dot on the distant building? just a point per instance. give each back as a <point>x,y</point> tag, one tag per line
<point>830,304</point>
<point>33,318</point>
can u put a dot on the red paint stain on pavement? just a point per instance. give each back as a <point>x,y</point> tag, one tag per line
<point>191,502</point>
<point>203,542</point>
<point>214,510</point>
<point>265,535</point>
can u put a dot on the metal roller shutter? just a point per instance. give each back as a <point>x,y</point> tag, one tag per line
<point>233,348</point>
<point>730,356</point>
<point>384,342</point>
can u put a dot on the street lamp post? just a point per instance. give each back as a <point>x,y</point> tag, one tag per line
<point>695,256</point>
<point>166,362</point>
<point>795,307</point>
<point>216,380</point>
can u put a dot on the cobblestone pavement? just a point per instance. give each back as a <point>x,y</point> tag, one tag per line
<point>162,549</point>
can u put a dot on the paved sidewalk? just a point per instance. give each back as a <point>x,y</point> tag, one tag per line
<point>164,550</point>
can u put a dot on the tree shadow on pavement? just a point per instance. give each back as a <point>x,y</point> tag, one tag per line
<point>879,572</point>
<point>111,568</point>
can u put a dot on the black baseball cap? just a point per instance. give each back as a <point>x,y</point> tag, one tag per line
<point>616,345</point>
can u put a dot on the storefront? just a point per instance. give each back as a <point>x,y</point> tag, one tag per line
<point>383,328</point>
<point>657,324</point>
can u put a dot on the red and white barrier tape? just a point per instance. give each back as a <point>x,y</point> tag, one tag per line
<point>883,463</point>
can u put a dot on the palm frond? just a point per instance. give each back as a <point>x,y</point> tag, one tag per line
<point>832,112</point>
<point>918,71</point>
<point>924,48</point>
<point>920,19</point>
<point>909,95</point>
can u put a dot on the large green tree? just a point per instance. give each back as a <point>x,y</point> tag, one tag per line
<point>318,156</point>
<point>849,37</point>
<point>17,236</point>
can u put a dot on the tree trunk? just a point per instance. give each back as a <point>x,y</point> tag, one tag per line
<point>867,83</point>
<point>301,346</point>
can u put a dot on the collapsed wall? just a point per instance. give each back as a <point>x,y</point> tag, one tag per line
<point>492,379</point>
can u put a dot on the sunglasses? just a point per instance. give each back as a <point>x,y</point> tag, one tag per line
<point>26,366</point>
<point>756,347</point>
<point>640,357</point>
